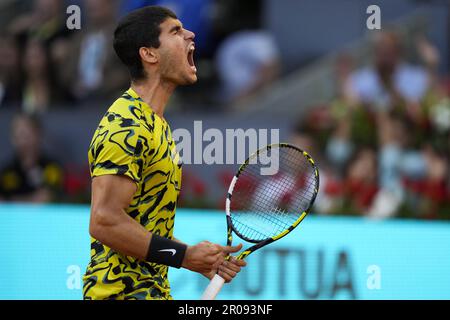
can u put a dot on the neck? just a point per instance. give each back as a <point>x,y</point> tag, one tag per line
<point>155,93</point>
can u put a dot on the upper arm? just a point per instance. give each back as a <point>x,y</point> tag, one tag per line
<point>116,158</point>
<point>112,191</point>
<point>111,195</point>
<point>110,224</point>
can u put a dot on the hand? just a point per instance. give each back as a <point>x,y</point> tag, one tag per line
<point>228,269</point>
<point>203,257</point>
<point>428,52</point>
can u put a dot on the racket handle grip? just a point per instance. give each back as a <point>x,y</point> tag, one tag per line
<point>213,288</point>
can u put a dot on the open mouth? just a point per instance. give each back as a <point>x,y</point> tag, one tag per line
<point>190,57</point>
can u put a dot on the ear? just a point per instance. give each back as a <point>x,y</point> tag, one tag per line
<point>148,55</point>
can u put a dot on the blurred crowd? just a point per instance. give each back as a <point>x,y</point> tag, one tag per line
<point>382,144</point>
<point>45,65</point>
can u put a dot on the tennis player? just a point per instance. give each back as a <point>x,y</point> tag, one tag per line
<point>136,171</point>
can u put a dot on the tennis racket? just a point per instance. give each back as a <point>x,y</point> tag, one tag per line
<point>265,203</point>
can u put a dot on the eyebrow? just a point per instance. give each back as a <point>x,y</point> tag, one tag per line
<point>175,28</point>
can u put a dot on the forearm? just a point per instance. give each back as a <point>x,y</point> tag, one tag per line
<point>111,225</point>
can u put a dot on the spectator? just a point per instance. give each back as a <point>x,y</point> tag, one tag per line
<point>342,71</point>
<point>10,75</point>
<point>392,142</point>
<point>42,34</point>
<point>436,190</point>
<point>30,176</point>
<point>94,70</point>
<point>246,62</point>
<point>390,82</point>
<point>46,22</point>
<point>40,90</point>
<point>361,181</point>
<point>428,196</point>
<point>340,146</point>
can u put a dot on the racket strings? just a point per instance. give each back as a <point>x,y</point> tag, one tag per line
<point>273,190</point>
<point>268,220</point>
<point>286,219</point>
<point>267,205</point>
<point>249,231</point>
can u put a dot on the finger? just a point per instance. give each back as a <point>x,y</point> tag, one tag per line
<point>211,273</point>
<point>219,259</point>
<point>239,262</point>
<point>231,266</point>
<point>226,275</point>
<point>232,249</point>
<point>215,260</point>
<point>228,271</point>
<point>215,249</point>
<point>205,270</point>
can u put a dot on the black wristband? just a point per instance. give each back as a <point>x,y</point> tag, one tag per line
<point>165,251</point>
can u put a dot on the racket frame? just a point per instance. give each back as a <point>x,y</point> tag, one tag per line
<point>217,281</point>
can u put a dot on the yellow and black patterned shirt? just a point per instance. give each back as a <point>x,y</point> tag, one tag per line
<point>132,140</point>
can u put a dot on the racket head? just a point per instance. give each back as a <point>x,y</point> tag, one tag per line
<point>262,208</point>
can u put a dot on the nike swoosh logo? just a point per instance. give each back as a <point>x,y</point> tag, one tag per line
<point>173,251</point>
